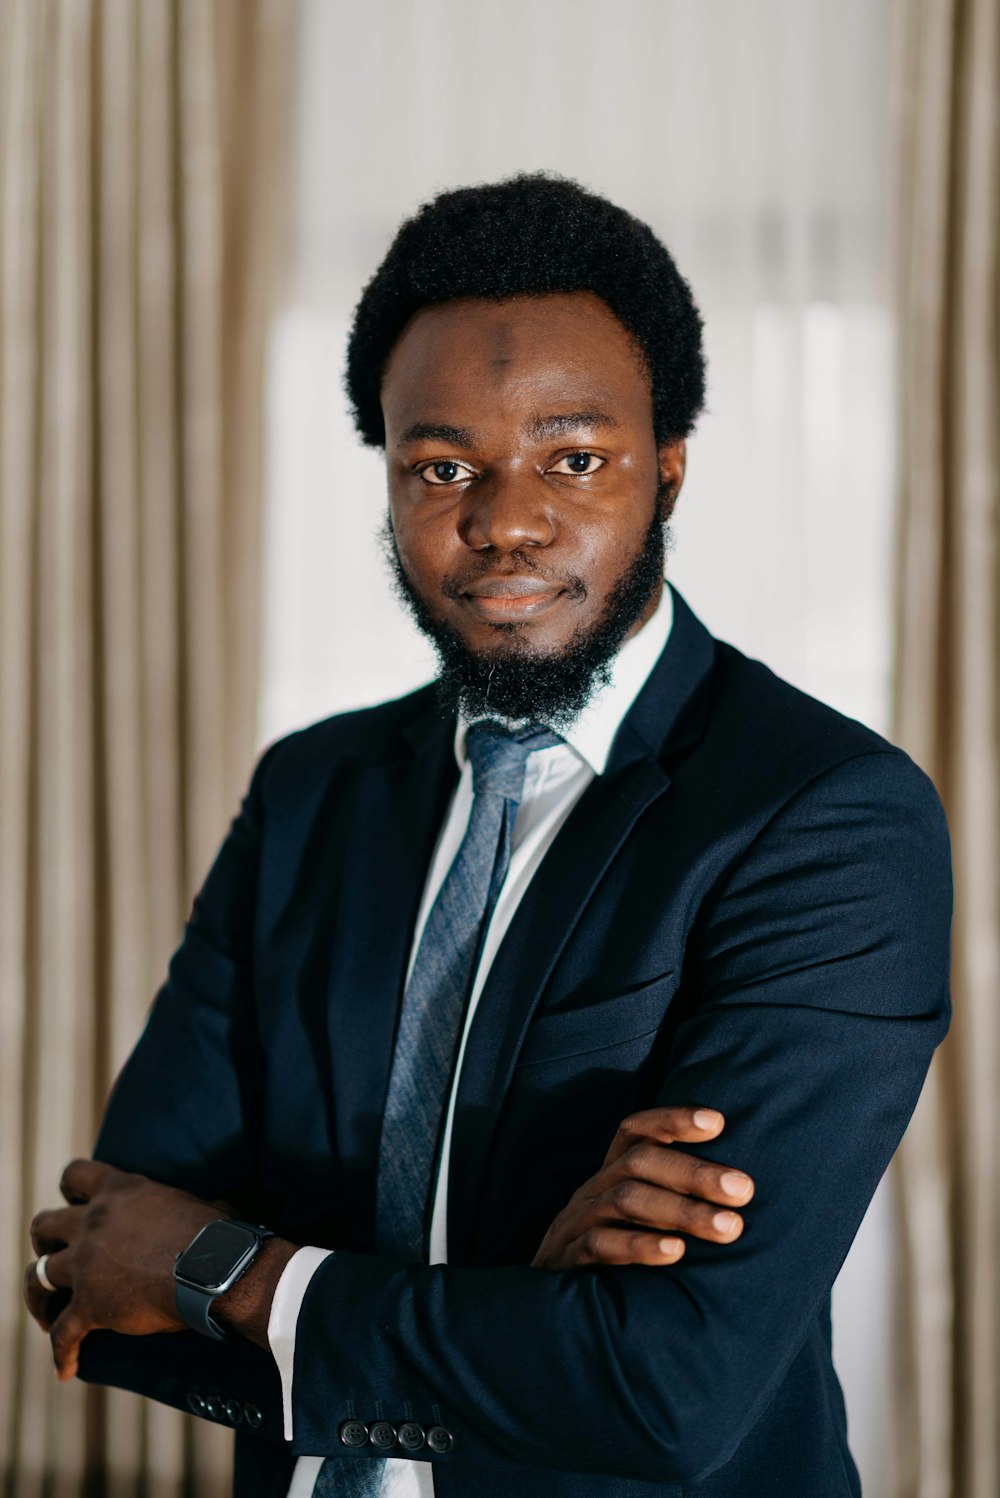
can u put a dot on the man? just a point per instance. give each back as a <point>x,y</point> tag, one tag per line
<point>469,964</point>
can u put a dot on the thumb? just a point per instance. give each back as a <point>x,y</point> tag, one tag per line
<point>66,1333</point>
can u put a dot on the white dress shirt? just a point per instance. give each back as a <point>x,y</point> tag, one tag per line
<point>554,781</point>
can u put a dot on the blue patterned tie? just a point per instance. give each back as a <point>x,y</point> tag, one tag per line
<point>430,1024</point>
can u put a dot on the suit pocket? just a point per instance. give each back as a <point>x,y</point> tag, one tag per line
<point>600,1026</point>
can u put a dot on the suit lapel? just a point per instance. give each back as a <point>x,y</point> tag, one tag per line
<point>572,869</point>
<point>665,720</point>
<point>398,812</point>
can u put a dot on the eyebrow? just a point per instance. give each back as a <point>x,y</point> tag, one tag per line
<point>567,421</point>
<point>538,427</point>
<point>437,431</point>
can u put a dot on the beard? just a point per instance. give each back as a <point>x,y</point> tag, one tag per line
<point>515,680</point>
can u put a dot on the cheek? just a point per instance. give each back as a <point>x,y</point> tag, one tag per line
<point>608,541</point>
<point>422,539</point>
<point>430,552</point>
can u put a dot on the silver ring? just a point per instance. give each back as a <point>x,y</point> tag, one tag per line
<point>43,1278</point>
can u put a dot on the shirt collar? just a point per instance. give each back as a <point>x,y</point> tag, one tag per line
<point>592,734</point>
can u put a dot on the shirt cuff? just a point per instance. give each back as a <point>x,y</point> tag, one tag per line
<point>281,1323</point>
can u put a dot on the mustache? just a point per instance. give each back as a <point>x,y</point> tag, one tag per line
<point>519,564</point>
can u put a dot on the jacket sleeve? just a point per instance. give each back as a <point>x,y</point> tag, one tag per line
<point>231,1383</point>
<point>822,992</point>
<point>181,1111</point>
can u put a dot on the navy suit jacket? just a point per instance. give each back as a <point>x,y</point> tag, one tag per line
<point>750,910</point>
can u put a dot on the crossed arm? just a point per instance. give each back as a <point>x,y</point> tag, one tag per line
<point>822,992</point>
<point>110,1251</point>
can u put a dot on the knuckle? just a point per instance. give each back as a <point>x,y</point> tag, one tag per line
<point>591,1242</point>
<point>703,1175</point>
<point>624,1194</point>
<point>634,1160</point>
<point>693,1215</point>
<point>655,1155</point>
<point>97,1212</point>
<point>68,1335</point>
<point>669,1121</point>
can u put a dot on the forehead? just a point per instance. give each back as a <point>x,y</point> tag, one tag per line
<point>455,361</point>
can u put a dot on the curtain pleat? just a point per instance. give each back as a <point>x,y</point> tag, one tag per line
<point>141,158</point>
<point>948,675</point>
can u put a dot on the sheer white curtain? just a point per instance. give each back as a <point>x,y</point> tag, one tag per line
<point>751,137</point>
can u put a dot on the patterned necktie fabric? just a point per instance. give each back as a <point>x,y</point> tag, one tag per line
<point>430,1024</point>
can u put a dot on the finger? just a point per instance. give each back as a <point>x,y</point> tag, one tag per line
<point>67,1332</point>
<point>82,1178</point>
<point>58,1270</point>
<point>689,1125</point>
<point>654,1207</point>
<point>615,1245</point>
<point>53,1229</point>
<point>35,1297</point>
<point>662,1165</point>
<point>40,1302</point>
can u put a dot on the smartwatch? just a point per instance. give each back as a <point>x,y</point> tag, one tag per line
<point>210,1265</point>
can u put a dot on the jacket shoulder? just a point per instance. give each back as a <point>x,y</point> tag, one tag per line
<point>308,756</point>
<point>768,741</point>
<point>769,706</point>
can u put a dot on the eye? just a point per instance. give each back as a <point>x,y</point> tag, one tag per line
<point>581,463</point>
<point>443,472</point>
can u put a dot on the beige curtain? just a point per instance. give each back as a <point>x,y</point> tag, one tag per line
<point>140,161</point>
<point>948,259</point>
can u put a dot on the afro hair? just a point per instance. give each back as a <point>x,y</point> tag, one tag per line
<point>532,235</point>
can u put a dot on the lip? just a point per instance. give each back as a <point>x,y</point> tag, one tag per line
<point>499,598</point>
<point>508,587</point>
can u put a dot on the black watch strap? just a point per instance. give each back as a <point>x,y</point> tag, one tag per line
<point>194,1306</point>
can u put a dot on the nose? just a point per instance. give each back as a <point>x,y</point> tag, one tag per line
<point>506,513</point>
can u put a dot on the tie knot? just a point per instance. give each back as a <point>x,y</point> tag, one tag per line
<point>498,756</point>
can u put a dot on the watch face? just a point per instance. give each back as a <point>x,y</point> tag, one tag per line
<point>213,1256</point>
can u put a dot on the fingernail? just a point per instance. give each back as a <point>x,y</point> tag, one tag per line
<point>707,1118</point>
<point>725,1222</point>
<point>734,1184</point>
<point>670,1245</point>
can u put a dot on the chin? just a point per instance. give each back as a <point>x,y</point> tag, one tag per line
<point>513,640</point>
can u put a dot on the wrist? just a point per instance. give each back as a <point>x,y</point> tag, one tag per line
<point>245,1308</point>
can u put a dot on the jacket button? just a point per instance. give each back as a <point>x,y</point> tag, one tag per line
<point>213,1407</point>
<point>196,1403</point>
<point>234,1411</point>
<point>410,1435</point>
<point>382,1435</point>
<point>439,1439</point>
<point>353,1433</point>
<point>252,1416</point>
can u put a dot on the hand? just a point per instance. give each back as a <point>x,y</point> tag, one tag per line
<point>644,1189</point>
<point>113,1247</point>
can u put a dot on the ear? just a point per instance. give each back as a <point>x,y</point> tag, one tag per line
<point>672,459</point>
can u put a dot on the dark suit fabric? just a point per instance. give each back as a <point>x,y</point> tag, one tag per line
<point>749,910</point>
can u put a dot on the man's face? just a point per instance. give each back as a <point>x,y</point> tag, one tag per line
<point>524,478</point>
